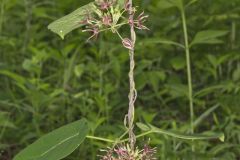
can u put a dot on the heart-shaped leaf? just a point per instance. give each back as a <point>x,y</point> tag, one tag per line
<point>57,144</point>
<point>71,21</point>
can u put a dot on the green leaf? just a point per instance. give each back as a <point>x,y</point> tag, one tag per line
<point>71,21</point>
<point>143,127</point>
<point>3,146</point>
<point>178,63</point>
<point>209,89</point>
<point>13,76</point>
<point>191,2</point>
<point>154,129</point>
<point>154,78</point>
<point>177,90</point>
<point>165,4</point>
<point>236,74</point>
<point>57,144</point>
<point>160,41</point>
<point>19,80</point>
<point>208,37</point>
<point>4,120</point>
<point>177,3</point>
<point>205,115</point>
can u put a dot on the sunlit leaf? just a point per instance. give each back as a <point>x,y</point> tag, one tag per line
<point>56,144</point>
<point>71,21</point>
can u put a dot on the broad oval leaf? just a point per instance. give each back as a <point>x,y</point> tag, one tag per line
<point>154,129</point>
<point>71,21</point>
<point>56,144</point>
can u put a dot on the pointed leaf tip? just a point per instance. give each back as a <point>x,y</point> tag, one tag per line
<point>61,34</point>
<point>222,138</point>
<point>143,127</point>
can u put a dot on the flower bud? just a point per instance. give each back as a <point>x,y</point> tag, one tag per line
<point>127,43</point>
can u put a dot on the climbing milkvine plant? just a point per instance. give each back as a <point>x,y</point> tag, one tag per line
<point>97,17</point>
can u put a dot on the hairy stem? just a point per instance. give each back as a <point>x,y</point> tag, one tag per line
<point>189,74</point>
<point>132,92</point>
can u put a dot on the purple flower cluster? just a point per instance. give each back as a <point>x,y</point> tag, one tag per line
<point>109,16</point>
<point>105,4</point>
<point>123,152</point>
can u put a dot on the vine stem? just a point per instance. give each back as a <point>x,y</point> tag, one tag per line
<point>132,92</point>
<point>189,72</point>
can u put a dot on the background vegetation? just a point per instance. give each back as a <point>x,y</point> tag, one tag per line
<point>46,82</point>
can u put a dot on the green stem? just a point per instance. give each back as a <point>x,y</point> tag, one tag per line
<point>101,139</point>
<point>114,27</point>
<point>137,136</point>
<point>189,74</point>
<point>118,140</point>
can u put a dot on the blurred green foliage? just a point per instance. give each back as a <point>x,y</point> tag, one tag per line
<point>46,82</point>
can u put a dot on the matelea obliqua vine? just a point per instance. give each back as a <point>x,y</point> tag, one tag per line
<point>110,16</point>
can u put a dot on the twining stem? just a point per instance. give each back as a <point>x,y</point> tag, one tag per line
<point>189,74</point>
<point>132,92</point>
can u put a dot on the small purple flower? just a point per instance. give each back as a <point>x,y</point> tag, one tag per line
<point>105,4</point>
<point>140,20</point>
<point>127,6</point>
<point>148,152</point>
<point>124,152</point>
<point>107,20</point>
<point>94,30</point>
